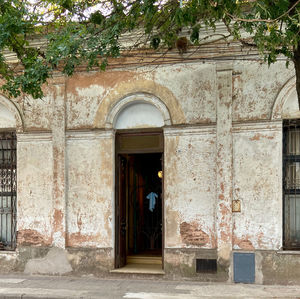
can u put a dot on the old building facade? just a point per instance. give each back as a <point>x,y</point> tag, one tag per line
<point>87,198</point>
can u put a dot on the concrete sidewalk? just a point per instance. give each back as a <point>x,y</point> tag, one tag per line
<point>21,286</point>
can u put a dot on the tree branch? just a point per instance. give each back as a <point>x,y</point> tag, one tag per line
<point>263,20</point>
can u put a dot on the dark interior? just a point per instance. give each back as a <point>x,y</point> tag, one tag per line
<point>143,204</point>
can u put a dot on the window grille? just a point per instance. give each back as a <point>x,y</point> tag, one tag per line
<point>291,184</point>
<point>8,194</point>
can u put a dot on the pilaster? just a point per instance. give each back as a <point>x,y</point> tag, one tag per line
<point>59,158</point>
<point>224,163</point>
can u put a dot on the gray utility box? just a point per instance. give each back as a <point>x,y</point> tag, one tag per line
<point>244,267</point>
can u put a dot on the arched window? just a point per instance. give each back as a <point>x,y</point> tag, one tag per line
<point>10,121</point>
<point>137,111</point>
<point>139,115</point>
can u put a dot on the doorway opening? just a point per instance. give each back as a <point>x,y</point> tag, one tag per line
<point>139,200</point>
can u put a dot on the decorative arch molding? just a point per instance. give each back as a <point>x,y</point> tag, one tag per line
<point>286,94</point>
<point>13,110</point>
<point>127,92</point>
<point>136,99</point>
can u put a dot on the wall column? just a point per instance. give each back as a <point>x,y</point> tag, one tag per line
<point>59,175</point>
<point>224,163</point>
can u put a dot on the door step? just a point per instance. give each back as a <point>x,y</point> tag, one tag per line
<point>140,269</point>
<point>144,259</point>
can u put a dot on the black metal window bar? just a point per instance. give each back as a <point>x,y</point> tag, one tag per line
<point>291,184</point>
<point>8,190</point>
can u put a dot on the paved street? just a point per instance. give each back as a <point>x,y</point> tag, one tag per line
<point>20,286</point>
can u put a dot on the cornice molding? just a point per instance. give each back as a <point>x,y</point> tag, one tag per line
<point>34,137</point>
<point>257,126</point>
<point>89,135</point>
<point>190,130</point>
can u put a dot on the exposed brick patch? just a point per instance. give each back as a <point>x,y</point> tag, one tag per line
<point>192,235</point>
<point>32,237</point>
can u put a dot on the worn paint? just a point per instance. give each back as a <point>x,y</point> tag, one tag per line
<point>194,87</point>
<point>219,145</point>
<point>257,184</point>
<point>90,176</point>
<point>33,238</point>
<point>35,177</point>
<point>139,85</point>
<point>189,152</point>
<point>254,95</point>
<point>58,125</point>
<point>223,210</point>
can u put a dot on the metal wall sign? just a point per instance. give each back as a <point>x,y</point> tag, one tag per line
<point>8,190</point>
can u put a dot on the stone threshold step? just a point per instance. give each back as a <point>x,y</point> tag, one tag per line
<point>139,259</point>
<point>140,269</point>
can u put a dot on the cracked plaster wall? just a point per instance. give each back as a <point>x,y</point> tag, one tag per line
<point>257,175</point>
<point>189,188</point>
<point>35,178</point>
<point>189,92</point>
<point>90,191</point>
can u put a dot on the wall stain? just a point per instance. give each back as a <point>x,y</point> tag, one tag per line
<point>258,136</point>
<point>32,237</point>
<point>78,240</point>
<point>57,220</point>
<point>243,243</point>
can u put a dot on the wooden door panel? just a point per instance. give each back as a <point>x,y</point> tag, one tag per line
<point>121,213</point>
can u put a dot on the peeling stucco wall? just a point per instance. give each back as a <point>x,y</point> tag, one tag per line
<point>38,112</point>
<point>222,142</point>
<point>35,181</point>
<point>257,183</point>
<point>188,92</point>
<point>255,88</point>
<point>90,190</point>
<point>194,86</point>
<point>189,187</point>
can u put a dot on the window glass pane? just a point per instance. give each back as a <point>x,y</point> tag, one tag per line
<point>292,219</point>
<point>293,144</point>
<point>3,228</point>
<point>139,142</point>
<point>292,175</point>
<point>8,228</point>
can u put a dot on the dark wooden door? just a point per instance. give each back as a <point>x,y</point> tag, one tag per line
<point>162,211</point>
<point>121,223</point>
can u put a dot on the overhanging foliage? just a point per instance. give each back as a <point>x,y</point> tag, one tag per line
<point>88,32</point>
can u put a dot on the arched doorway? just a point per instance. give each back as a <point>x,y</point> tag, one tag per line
<point>139,183</point>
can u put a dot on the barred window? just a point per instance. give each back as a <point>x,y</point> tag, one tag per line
<point>8,190</point>
<point>291,184</point>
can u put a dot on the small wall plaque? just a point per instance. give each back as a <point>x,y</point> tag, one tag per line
<point>236,206</point>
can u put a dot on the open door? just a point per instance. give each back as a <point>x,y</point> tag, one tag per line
<point>139,199</point>
<point>121,213</point>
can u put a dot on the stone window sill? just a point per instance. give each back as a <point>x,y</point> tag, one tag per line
<point>8,252</point>
<point>289,252</point>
